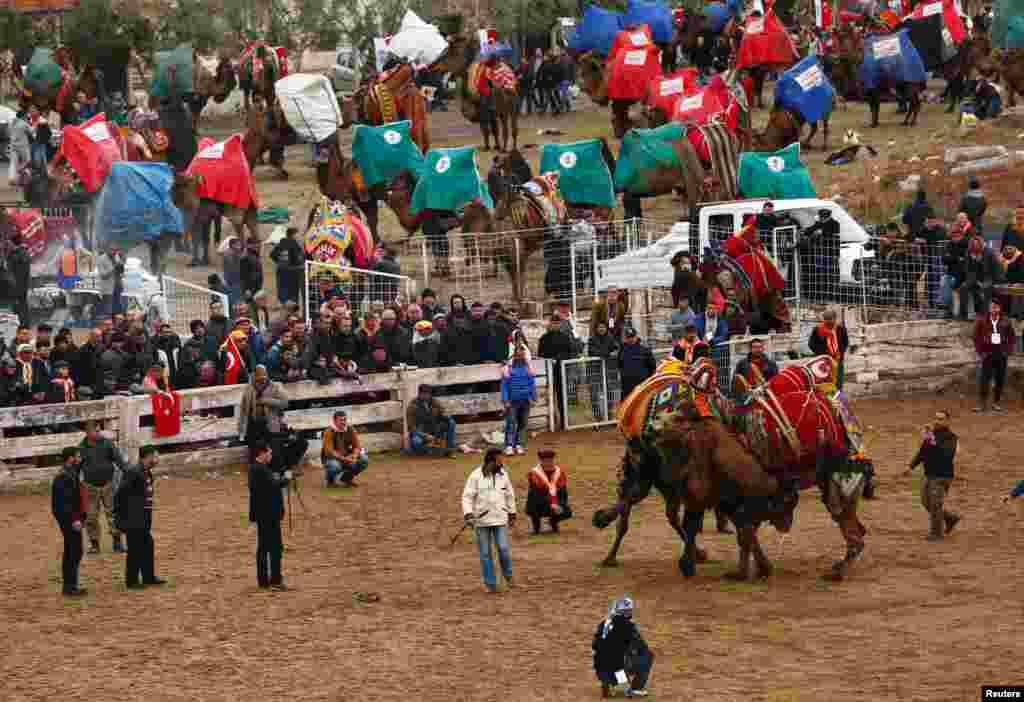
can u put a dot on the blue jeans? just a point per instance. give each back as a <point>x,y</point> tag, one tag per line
<point>496,536</point>
<point>948,285</point>
<point>335,469</point>
<point>419,442</point>
<point>516,424</point>
<point>640,665</point>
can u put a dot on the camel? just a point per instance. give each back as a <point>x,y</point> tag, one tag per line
<point>217,85</point>
<point>263,134</point>
<point>395,97</point>
<point>784,128</point>
<point>199,212</point>
<point>593,76</point>
<point>261,82</point>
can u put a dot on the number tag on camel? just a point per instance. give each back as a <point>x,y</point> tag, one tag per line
<point>635,58</point>
<point>97,132</point>
<point>213,151</point>
<point>934,8</point>
<point>392,137</point>
<point>756,26</point>
<point>638,38</point>
<point>694,102</point>
<point>567,160</point>
<point>811,78</point>
<point>887,48</point>
<point>671,87</point>
<point>443,164</point>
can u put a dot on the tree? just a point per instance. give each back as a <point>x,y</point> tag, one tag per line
<point>374,18</point>
<point>95,31</point>
<point>189,22</point>
<point>17,31</point>
<point>531,18</point>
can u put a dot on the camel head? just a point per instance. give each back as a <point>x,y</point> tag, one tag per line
<point>347,104</point>
<point>225,80</point>
<point>457,58</point>
<point>593,80</point>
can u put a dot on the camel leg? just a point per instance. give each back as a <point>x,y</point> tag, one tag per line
<point>824,129</point>
<point>873,102</point>
<point>371,212</point>
<point>744,537</point>
<point>813,130</point>
<point>622,513</point>
<point>672,508</point>
<point>487,136</point>
<point>765,569</point>
<point>915,107</point>
<point>691,525</point>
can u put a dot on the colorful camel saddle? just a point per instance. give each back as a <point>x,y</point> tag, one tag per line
<point>260,60</point>
<point>675,391</point>
<point>541,205</point>
<point>336,231</point>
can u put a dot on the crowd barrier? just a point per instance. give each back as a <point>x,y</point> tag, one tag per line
<point>33,436</point>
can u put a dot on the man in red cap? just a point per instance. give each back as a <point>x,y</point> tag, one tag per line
<point>549,492</point>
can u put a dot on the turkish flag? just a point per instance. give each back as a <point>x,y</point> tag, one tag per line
<point>166,414</point>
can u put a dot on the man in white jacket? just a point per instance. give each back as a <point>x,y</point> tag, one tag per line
<point>489,504</point>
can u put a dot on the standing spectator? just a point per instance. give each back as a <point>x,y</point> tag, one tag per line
<point>387,263</point>
<point>712,327</point>
<point>830,339</point>
<point>69,510</point>
<point>1011,264</point>
<point>974,204</point>
<point>636,362</point>
<point>955,260</point>
<point>21,270</point>
<point>167,349</point>
<point>819,257</point>
<point>610,311</point>
<point>62,387</point>
<point>549,492</point>
<point>525,76</point>
<point>289,259</point>
<point>85,364</point>
<point>251,271</point>
<point>981,268</point>
<point>917,215</point>
<point>503,328</point>
<point>440,323</point>
<point>604,385</point>
<point>21,146</point>
<point>428,303</point>
<point>932,238</point>
<point>342,455</point>
<point>938,453</point>
<point>102,465</point>
<point>518,391</point>
<point>266,510</point>
<point>134,512</point>
<point>457,342</point>
<point>682,317</point>
<point>196,350</point>
<point>556,345</point>
<point>233,271</point>
<point>567,76</point>
<point>106,267</point>
<point>621,657</point>
<point>425,345</point>
<point>766,221</point>
<point>993,340</point>
<point>234,360</point>
<point>480,336</point>
<point>489,505</point>
<point>429,428</point>
<point>261,414</point>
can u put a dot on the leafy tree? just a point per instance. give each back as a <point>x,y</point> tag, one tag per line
<point>95,30</point>
<point>190,22</point>
<point>522,18</point>
<point>364,21</point>
<point>17,31</point>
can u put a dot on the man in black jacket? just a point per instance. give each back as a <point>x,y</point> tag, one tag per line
<point>636,362</point>
<point>556,345</point>
<point>266,510</point>
<point>101,464</point>
<point>290,260</point>
<point>67,510</point>
<point>621,656</point>
<point>603,395</point>
<point>938,453</point>
<point>134,513</point>
<point>973,202</point>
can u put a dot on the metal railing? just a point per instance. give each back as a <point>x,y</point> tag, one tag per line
<point>180,302</point>
<point>365,290</point>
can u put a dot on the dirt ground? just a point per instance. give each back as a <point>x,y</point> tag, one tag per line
<point>916,621</point>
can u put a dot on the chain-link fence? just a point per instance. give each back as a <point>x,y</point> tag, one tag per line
<point>365,290</point>
<point>179,302</point>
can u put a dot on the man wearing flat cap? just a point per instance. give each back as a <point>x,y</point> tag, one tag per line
<point>32,381</point>
<point>133,507</point>
<point>549,492</point>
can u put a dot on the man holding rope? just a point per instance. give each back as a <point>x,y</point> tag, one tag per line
<point>489,505</point>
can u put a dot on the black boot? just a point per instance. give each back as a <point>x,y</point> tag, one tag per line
<point>536,524</point>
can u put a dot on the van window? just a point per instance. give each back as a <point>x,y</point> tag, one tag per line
<point>720,227</point>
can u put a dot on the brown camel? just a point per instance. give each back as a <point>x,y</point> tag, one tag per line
<point>185,195</point>
<point>395,98</point>
<point>784,128</point>
<point>263,134</point>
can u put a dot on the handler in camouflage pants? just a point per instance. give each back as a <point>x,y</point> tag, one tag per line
<point>101,467</point>
<point>937,452</point>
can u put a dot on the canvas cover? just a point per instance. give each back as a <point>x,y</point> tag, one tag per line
<point>450,180</point>
<point>385,152</point>
<point>805,90</point>
<point>778,175</point>
<point>664,91</point>
<point>765,43</point>
<point>135,204</point>
<point>891,57</point>
<point>91,148</point>
<point>181,59</point>
<point>309,105</point>
<point>43,77</point>
<point>644,152</point>
<point>417,41</point>
<point>1008,24</point>
<point>638,37</point>
<point>935,30</point>
<point>655,15</point>
<point>718,14</point>
<point>225,173</point>
<point>597,31</point>
<point>583,174</point>
<point>631,71</point>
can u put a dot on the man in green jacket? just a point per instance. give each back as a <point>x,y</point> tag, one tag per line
<point>102,464</point>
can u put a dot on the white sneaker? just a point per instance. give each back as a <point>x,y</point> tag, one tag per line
<point>509,451</point>
<point>635,693</point>
<point>520,450</point>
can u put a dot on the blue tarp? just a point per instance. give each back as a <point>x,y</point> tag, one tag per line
<point>596,32</point>
<point>655,15</point>
<point>891,57</point>
<point>135,203</point>
<point>806,90</point>
<point>718,14</point>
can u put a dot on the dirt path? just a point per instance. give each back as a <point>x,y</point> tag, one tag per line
<point>917,621</point>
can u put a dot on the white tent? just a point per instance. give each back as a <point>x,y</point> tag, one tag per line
<point>417,41</point>
<point>309,105</point>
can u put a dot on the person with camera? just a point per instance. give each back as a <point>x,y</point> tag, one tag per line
<point>133,512</point>
<point>621,656</point>
<point>266,510</point>
<point>342,456</point>
<point>69,510</point>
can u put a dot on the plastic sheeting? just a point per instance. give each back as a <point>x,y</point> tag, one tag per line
<point>309,105</point>
<point>765,43</point>
<point>655,15</point>
<point>385,152</point>
<point>91,149</point>
<point>450,179</point>
<point>597,31</point>
<point>891,57</point>
<point>583,175</point>
<point>631,71</point>
<point>135,204</point>
<point>1008,24</point>
<point>806,90</point>
<point>225,173</point>
<point>779,175</point>
<point>417,41</point>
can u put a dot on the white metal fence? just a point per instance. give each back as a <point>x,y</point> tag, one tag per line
<point>365,290</point>
<point>182,302</point>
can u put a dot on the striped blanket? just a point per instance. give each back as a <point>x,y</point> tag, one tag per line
<point>502,76</point>
<point>723,149</point>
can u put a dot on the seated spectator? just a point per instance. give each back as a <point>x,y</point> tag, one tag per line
<point>196,349</point>
<point>285,342</point>
<point>712,328</point>
<point>481,343</point>
<point>413,314</point>
<point>167,349</point>
<point>425,346</point>
<point>548,497</point>
<point>367,336</point>
<point>518,391</point>
<point>682,317</point>
<point>62,387</point>
<point>429,306</point>
<point>155,382</point>
<point>342,456</point>
<point>378,360</point>
<point>734,315</point>
<point>256,346</point>
<point>43,348</point>
<point>430,431</point>
<point>394,338</point>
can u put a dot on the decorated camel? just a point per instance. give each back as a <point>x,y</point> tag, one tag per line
<point>750,460</point>
<point>390,97</point>
<point>803,95</point>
